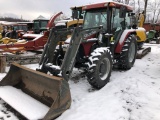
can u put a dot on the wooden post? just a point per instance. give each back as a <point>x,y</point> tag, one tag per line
<point>2,63</point>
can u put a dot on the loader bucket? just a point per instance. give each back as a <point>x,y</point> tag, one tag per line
<point>50,91</point>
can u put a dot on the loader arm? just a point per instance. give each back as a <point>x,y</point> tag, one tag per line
<point>76,39</point>
<point>69,59</point>
<point>48,54</point>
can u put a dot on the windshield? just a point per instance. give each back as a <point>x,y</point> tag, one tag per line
<point>95,19</point>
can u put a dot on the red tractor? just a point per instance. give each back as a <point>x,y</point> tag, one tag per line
<point>107,38</point>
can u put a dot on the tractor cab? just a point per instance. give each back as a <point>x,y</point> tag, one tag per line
<point>114,18</point>
<point>109,15</point>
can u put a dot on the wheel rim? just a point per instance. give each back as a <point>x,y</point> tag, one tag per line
<point>104,69</point>
<point>131,52</point>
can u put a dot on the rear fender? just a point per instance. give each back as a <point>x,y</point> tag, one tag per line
<point>123,38</point>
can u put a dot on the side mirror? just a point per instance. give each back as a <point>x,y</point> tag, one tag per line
<point>75,13</point>
<point>133,22</point>
<point>122,12</point>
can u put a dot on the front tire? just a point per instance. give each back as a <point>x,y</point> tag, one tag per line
<point>128,53</point>
<point>99,67</point>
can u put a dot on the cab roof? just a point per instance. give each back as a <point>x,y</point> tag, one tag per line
<point>78,7</point>
<point>105,4</point>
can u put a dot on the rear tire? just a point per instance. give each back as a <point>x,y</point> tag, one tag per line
<point>128,53</point>
<point>99,67</point>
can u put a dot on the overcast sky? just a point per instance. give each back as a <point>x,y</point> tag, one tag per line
<point>31,9</point>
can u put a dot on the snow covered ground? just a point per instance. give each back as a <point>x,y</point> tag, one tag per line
<point>130,95</point>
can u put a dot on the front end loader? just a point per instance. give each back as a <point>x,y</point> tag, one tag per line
<point>51,91</point>
<point>104,40</point>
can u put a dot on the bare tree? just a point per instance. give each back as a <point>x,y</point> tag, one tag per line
<point>155,8</point>
<point>120,1</point>
<point>133,4</point>
<point>145,8</point>
<point>128,2</point>
<point>138,10</point>
<point>138,7</point>
<point>157,16</point>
